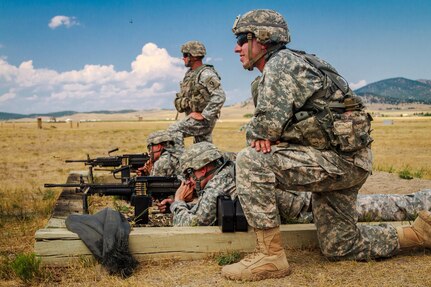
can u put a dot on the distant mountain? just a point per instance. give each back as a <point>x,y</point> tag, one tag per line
<point>428,82</point>
<point>397,90</point>
<point>11,116</point>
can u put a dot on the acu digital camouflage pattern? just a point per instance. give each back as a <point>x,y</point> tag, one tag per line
<point>203,211</point>
<point>158,137</point>
<point>199,155</point>
<point>201,92</point>
<point>194,48</point>
<point>389,207</point>
<point>266,25</point>
<point>168,163</point>
<point>287,83</point>
<point>295,207</point>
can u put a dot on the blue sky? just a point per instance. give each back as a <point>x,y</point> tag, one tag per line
<point>87,55</point>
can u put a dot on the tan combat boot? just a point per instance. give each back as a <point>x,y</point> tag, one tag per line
<point>418,234</point>
<point>268,260</point>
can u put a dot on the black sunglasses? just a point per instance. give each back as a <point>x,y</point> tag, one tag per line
<point>241,39</point>
<point>186,55</point>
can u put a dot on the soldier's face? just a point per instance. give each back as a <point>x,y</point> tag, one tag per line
<point>187,60</point>
<point>242,49</point>
<point>156,151</point>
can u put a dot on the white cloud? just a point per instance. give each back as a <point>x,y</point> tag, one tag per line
<point>210,59</point>
<point>60,20</point>
<point>6,97</point>
<point>358,85</point>
<point>151,82</point>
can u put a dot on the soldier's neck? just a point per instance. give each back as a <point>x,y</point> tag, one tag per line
<point>196,65</point>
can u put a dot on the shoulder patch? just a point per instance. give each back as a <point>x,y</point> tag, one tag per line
<point>212,82</point>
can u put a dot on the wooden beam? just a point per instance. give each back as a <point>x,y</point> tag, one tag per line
<point>58,246</point>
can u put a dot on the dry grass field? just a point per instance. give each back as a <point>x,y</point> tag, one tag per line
<point>30,157</point>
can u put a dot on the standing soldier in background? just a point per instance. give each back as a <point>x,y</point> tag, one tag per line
<point>201,96</point>
<point>309,132</point>
<point>164,155</point>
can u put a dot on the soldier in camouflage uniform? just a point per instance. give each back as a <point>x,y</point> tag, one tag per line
<point>201,96</point>
<point>164,154</point>
<point>293,206</point>
<point>310,133</point>
<point>208,174</point>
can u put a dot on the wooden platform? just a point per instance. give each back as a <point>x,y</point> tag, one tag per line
<point>58,246</point>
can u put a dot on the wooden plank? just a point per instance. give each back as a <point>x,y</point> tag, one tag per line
<point>58,246</point>
<point>69,201</point>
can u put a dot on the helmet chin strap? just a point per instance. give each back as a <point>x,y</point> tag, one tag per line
<point>251,61</point>
<point>219,165</point>
<point>268,52</point>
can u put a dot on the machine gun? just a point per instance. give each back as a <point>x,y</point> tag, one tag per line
<point>125,163</point>
<point>140,191</point>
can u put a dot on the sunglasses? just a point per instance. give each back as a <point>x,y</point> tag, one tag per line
<point>241,39</point>
<point>186,55</point>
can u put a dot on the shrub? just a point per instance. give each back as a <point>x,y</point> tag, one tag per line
<point>405,173</point>
<point>27,267</point>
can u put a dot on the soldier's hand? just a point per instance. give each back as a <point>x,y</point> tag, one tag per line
<point>146,169</point>
<point>261,145</point>
<point>163,205</point>
<point>197,116</point>
<point>184,192</point>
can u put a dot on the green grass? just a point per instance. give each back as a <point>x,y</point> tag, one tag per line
<point>228,258</point>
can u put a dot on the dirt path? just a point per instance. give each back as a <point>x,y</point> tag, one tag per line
<point>383,182</point>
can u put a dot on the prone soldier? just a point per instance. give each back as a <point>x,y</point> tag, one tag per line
<point>164,154</point>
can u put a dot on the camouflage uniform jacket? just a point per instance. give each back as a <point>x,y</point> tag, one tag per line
<point>201,91</point>
<point>204,211</point>
<point>168,163</point>
<point>285,87</point>
<point>286,83</point>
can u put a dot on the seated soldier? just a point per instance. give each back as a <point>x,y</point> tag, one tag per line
<point>164,155</point>
<point>211,174</point>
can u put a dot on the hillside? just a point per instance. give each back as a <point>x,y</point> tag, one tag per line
<point>397,90</point>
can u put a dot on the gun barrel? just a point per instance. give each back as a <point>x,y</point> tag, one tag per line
<point>76,160</point>
<point>62,185</point>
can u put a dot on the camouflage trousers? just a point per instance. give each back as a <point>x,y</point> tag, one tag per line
<point>295,207</point>
<point>200,130</point>
<point>334,182</point>
<point>393,207</point>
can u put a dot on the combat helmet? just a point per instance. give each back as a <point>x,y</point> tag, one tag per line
<point>267,26</point>
<point>198,156</point>
<point>158,137</point>
<point>194,48</point>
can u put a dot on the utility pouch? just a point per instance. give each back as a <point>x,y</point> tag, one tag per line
<point>178,103</point>
<point>199,100</point>
<point>351,131</point>
<point>307,132</point>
